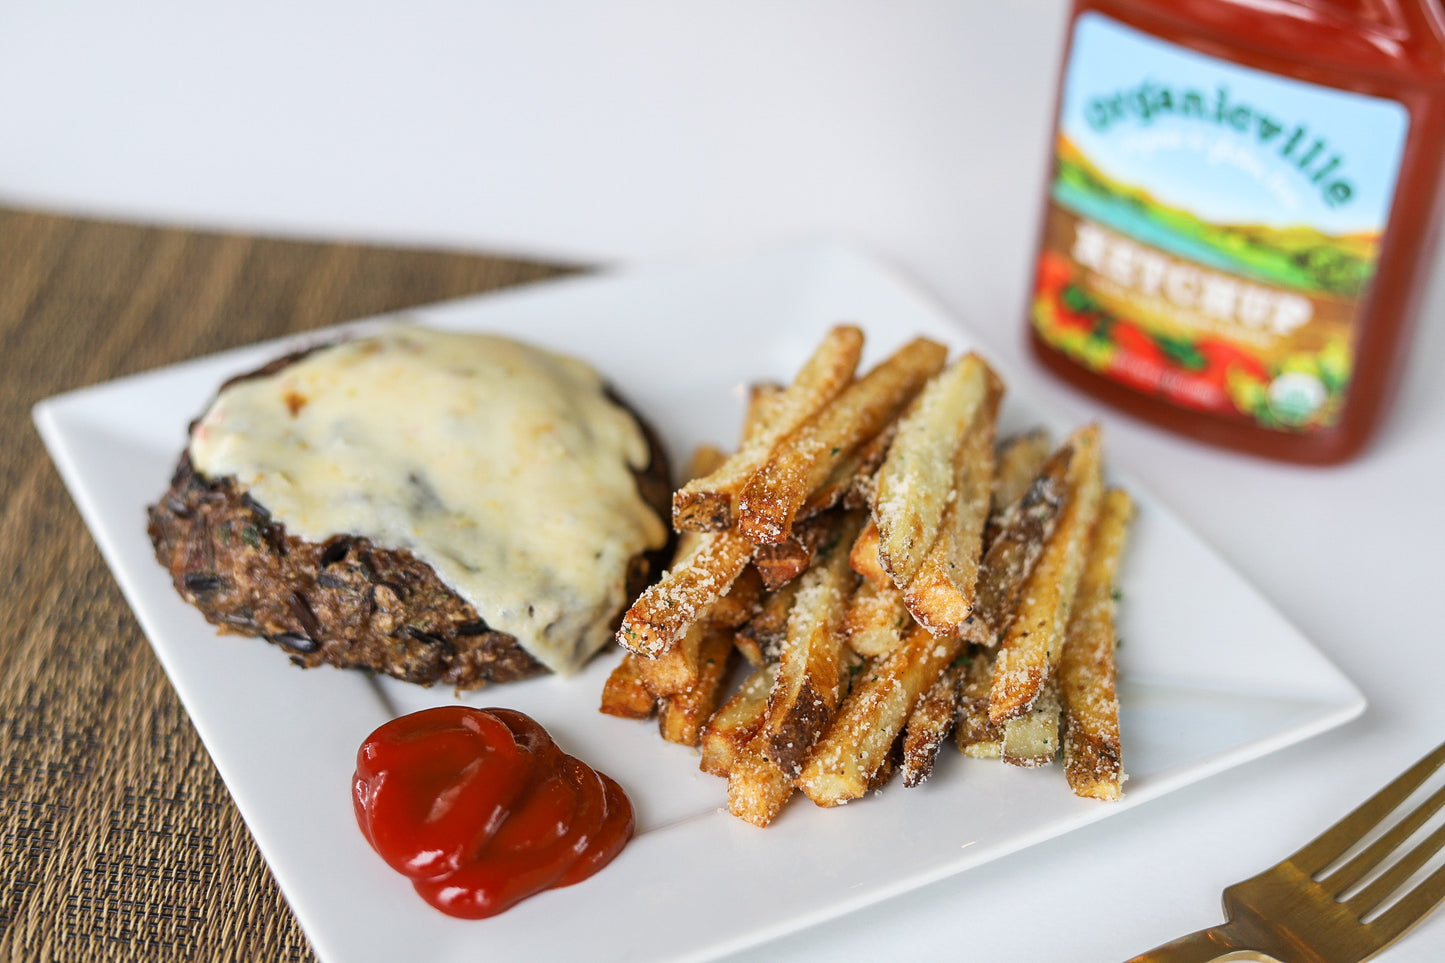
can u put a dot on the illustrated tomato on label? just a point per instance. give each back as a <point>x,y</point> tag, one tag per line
<point>1221,358</point>
<point>1055,271</point>
<point>1133,340</point>
<point>1073,321</point>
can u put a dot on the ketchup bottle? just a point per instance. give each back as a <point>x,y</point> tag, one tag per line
<point>1241,211</point>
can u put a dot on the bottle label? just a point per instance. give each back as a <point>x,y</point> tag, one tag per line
<point>1212,229</point>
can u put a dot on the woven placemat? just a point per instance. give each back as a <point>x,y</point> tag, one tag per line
<point>117,838</point>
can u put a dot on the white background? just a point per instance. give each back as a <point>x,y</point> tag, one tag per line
<point>611,132</point>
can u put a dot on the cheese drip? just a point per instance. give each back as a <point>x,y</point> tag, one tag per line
<point>504,467</point>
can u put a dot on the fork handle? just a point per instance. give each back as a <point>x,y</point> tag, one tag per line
<point>1225,942</point>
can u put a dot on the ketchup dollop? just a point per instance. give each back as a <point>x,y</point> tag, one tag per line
<point>481,809</point>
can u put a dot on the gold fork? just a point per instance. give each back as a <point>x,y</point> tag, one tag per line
<point>1304,910</point>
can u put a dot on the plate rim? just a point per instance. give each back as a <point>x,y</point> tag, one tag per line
<point>820,265</point>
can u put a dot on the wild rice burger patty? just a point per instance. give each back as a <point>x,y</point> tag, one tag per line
<point>442,508</point>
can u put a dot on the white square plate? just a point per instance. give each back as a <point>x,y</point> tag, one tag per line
<point>1213,675</point>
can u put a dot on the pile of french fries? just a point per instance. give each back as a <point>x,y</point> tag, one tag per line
<point>891,573</point>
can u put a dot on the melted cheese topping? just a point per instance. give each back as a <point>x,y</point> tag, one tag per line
<point>504,467</point>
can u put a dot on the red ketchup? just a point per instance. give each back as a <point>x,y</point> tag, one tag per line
<point>481,809</point>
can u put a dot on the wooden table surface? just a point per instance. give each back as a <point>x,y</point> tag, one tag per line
<point>117,838</point>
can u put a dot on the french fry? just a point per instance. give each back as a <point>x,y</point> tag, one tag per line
<point>734,725</point>
<point>766,631</point>
<point>749,649</point>
<point>863,557</point>
<point>740,602</point>
<point>975,735</point>
<point>704,459</point>
<point>841,486</point>
<point>780,563</point>
<point>875,620</point>
<point>915,483</point>
<point>680,717</point>
<point>928,725</point>
<point>624,695</point>
<point>706,504</point>
<point>663,612</point>
<point>1092,754</point>
<point>762,396</point>
<point>675,670</point>
<point>1021,533</point>
<point>941,594</point>
<point>851,483</point>
<point>810,672</point>
<point>1020,458</point>
<point>858,741</point>
<point>757,788</point>
<point>804,460</point>
<point>1030,650</point>
<point>1032,739</point>
<point>890,765</point>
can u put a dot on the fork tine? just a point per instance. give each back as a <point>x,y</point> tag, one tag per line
<point>1333,842</point>
<point>1411,908</point>
<point>1395,877</point>
<point>1373,855</point>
